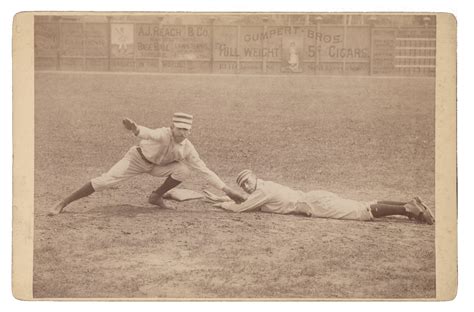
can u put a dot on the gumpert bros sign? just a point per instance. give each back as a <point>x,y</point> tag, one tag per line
<point>289,44</point>
<point>328,43</point>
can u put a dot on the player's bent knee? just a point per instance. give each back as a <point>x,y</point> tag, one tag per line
<point>101,183</point>
<point>98,185</point>
<point>180,173</point>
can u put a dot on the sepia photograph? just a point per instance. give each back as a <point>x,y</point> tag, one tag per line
<point>235,156</point>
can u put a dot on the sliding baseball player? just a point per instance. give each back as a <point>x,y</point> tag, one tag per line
<point>268,196</point>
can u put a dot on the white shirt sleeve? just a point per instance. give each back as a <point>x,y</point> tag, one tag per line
<point>151,134</point>
<point>194,161</point>
<point>253,202</point>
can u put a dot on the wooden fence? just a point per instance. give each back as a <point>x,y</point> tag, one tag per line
<point>235,49</point>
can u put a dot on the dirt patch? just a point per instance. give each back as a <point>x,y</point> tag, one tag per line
<point>362,138</point>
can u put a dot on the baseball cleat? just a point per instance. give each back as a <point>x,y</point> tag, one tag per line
<point>414,211</point>
<point>57,209</point>
<point>157,200</point>
<point>427,213</point>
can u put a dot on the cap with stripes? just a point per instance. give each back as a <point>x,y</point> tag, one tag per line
<point>243,176</point>
<point>182,120</point>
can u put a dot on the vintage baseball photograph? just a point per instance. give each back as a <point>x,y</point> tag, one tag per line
<point>236,156</point>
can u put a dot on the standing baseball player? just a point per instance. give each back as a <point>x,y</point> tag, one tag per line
<point>162,152</point>
<point>268,196</point>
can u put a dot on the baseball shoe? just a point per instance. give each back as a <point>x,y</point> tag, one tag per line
<point>157,200</point>
<point>416,212</point>
<point>427,213</point>
<point>57,209</point>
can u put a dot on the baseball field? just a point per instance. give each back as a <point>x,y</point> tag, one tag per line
<point>363,138</point>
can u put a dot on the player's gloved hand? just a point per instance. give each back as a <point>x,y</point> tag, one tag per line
<point>223,205</point>
<point>213,198</point>
<point>234,195</point>
<point>130,125</point>
<point>218,205</point>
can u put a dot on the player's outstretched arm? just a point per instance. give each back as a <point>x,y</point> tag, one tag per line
<point>229,206</point>
<point>130,125</point>
<point>234,195</point>
<point>213,198</point>
<point>253,202</point>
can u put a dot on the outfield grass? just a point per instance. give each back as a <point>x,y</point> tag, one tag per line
<point>363,138</point>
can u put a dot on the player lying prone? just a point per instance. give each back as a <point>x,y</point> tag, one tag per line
<point>268,196</point>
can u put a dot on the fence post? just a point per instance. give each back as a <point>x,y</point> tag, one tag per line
<point>317,51</point>
<point>58,52</point>
<point>344,43</point>
<point>372,20</point>
<point>109,45</point>
<point>160,43</point>
<point>238,48</point>
<point>213,19</point>
<point>134,24</point>
<point>84,40</point>
<point>264,58</point>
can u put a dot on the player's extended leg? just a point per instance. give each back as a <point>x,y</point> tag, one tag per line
<point>129,166</point>
<point>84,191</point>
<point>390,202</point>
<point>381,209</point>
<point>156,197</point>
<point>176,173</point>
<point>412,209</point>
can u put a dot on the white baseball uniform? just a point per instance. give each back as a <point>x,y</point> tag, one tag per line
<point>276,198</point>
<point>160,156</point>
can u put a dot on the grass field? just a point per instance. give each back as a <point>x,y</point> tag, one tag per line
<point>363,138</point>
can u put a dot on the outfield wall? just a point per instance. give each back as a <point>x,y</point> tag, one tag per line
<point>108,44</point>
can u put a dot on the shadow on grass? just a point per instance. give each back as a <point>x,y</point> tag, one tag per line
<point>127,210</point>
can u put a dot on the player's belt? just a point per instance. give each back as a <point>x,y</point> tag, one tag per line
<point>139,150</point>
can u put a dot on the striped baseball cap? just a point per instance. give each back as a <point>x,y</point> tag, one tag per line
<point>182,120</point>
<point>243,176</point>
